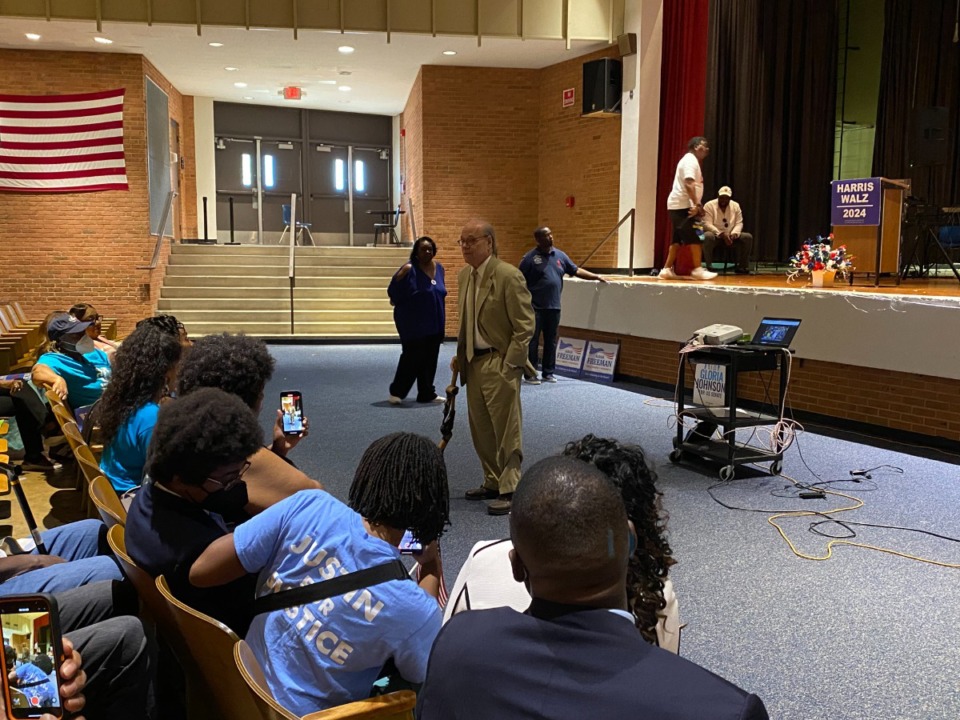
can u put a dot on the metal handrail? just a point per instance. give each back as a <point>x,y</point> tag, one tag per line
<point>291,263</point>
<point>163,225</point>
<point>631,215</point>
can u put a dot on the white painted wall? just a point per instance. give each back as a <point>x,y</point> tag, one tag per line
<point>640,130</point>
<point>205,163</point>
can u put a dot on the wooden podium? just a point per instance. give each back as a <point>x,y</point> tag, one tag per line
<point>876,248</point>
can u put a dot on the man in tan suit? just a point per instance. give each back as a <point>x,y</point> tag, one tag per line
<point>496,324</point>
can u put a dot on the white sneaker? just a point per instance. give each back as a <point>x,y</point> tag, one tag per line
<point>394,400</point>
<point>702,274</point>
<point>667,274</point>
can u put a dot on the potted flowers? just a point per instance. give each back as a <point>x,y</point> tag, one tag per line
<point>821,260</point>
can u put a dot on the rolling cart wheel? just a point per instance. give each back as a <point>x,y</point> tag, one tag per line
<point>726,472</point>
<point>776,467</point>
<point>676,456</point>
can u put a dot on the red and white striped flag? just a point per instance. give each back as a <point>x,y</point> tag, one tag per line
<point>62,143</point>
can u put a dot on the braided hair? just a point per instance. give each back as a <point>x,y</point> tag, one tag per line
<point>635,478</point>
<point>140,369</point>
<point>401,482</point>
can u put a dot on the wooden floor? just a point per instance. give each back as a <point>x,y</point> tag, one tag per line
<point>944,286</point>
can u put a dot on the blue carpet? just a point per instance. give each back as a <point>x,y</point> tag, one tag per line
<point>863,635</point>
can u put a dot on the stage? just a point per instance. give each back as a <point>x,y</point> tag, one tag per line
<point>886,356</point>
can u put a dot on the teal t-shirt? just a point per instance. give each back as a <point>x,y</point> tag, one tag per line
<point>85,379</point>
<point>123,459</point>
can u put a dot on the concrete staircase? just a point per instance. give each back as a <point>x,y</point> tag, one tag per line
<point>340,292</point>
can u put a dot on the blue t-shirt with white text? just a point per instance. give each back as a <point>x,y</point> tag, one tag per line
<point>85,379</point>
<point>124,457</point>
<point>330,652</point>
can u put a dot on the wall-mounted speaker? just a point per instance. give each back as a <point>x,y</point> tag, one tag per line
<point>602,87</point>
<point>627,44</point>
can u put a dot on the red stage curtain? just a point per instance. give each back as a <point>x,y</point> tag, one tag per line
<point>683,84</point>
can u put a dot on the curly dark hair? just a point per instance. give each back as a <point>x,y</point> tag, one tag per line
<point>627,466</point>
<point>401,481</point>
<point>168,323</point>
<point>199,433</point>
<point>140,368</point>
<point>416,247</point>
<point>234,363</point>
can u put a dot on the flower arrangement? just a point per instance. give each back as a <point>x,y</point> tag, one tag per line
<point>820,256</point>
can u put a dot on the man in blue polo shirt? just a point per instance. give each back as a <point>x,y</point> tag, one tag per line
<point>544,268</point>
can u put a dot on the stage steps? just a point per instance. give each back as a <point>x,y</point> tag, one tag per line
<point>340,292</point>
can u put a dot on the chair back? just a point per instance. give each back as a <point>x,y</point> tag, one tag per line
<point>88,464</point>
<point>72,433</point>
<point>252,673</point>
<point>55,400</point>
<point>108,502</point>
<point>393,706</point>
<point>285,210</point>
<point>210,644</point>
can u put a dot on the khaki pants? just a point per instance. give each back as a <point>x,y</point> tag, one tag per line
<point>493,406</point>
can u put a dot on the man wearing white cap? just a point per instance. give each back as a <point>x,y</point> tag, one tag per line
<point>723,222</point>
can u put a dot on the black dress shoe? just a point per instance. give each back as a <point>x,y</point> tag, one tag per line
<point>743,271</point>
<point>501,506</point>
<point>481,493</point>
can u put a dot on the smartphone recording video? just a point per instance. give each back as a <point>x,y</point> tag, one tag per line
<point>291,404</point>
<point>409,546</point>
<point>33,653</point>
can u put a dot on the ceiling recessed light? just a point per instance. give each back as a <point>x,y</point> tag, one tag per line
<point>326,82</point>
<point>248,97</point>
<point>215,44</point>
<point>449,52</point>
<point>345,49</point>
<point>231,69</point>
<point>32,36</point>
<point>344,88</point>
<point>239,85</point>
<point>103,40</point>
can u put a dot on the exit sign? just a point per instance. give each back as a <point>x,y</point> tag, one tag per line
<point>292,93</point>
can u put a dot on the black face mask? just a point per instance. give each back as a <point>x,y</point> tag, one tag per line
<point>228,504</point>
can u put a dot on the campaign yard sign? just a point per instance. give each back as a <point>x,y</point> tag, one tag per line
<point>709,385</point>
<point>570,353</point>
<point>855,202</point>
<point>600,361</point>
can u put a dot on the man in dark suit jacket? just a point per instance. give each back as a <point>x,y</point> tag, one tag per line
<point>496,324</point>
<point>575,653</point>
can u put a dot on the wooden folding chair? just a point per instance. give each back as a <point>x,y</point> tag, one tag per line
<point>210,644</point>
<point>154,609</point>
<point>393,706</point>
<point>107,502</point>
<point>55,400</point>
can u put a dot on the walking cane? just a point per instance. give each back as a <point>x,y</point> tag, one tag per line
<point>13,478</point>
<point>449,412</point>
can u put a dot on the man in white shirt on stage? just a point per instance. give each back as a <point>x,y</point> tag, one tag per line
<point>685,209</point>
<point>723,223</point>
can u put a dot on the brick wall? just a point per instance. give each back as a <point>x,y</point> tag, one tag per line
<point>921,404</point>
<point>71,247</point>
<point>494,147</point>
<point>411,122</point>
<point>579,157</point>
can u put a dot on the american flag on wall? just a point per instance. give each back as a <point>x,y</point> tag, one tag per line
<point>62,143</point>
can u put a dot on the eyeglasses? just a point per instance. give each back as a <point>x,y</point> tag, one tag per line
<point>231,478</point>
<point>470,242</point>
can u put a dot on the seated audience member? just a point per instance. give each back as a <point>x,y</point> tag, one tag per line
<point>19,401</point>
<point>242,365</point>
<point>72,679</point>
<point>78,554</point>
<point>169,324</point>
<point>723,223</point>
<point>74,369</point>
<point>144,370</point>
<point>485,580</point>
<point>401,483</point>
<point>87,313</point>
<point>196,469</point>
<point>575,653</point>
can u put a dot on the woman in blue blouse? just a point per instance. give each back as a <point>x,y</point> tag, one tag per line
<point>418,293</point>
<point>144,369</point>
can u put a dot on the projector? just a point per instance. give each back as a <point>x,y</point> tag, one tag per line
<point>718,334</point>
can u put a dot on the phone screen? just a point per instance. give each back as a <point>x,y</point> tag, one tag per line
<point>409,546</point>
<point>33,652</point>
<point>291,404</point>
